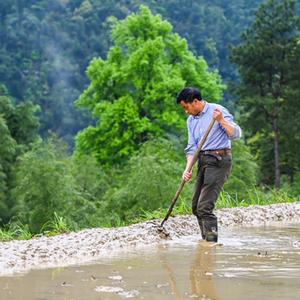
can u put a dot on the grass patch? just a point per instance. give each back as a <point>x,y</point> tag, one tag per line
<point>18,231</point>
<point>57,225</point>
<point>15,231</point>
<point>256,196</point>
<point>182,207</point>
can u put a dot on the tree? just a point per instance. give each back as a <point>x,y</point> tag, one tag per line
<point>244,171</point>
<point>132,93</point>
<point>290,118</point>
<point>46,185</point>
<point>18,129</point>
<point>43,184</point>
<point>264,65</point>
<point>46,46</point>
<point>7,154</point>
<point>146,182</point>
<point>210,26</point>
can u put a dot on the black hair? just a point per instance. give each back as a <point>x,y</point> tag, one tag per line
<point>188,95</point>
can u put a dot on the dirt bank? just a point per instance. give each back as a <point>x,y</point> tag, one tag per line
<point>88,245</point>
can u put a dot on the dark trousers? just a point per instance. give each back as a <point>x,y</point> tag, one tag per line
<point>213,172</point>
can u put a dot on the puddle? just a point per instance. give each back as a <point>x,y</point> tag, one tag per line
<point>253,263</point>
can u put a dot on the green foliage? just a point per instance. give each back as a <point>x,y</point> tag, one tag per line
<point>210,27</point>
<point>147,182</point>
<point>15,230</point>
<point>8,146</point>
<point>244,172</point>
<point>24,124</point>
<point>54,191</point>
<point>7,154</point>
<point>256,196</point>
<point>118,134</point>
<point>290,119</point>
<point>43,184</point>
<point>18,128</point>
<point>291,188</point>
<point>46,46</point>
<point>239,190</point>
<point>267,65</point>
<point>252,196</point>
<point>182,207</point>
<point>296,184</point>
<point>56,226</point>
<point>21,121</point>
<point>132,93</point>
<point>91,180</point>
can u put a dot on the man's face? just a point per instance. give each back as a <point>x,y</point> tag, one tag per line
<point>191,108</point>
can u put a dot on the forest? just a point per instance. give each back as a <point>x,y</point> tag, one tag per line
<point>91,134</point>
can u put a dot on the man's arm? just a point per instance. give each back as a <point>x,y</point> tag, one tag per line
<point>189,151</point>
<point>233,130</point>
<point>187,175</point>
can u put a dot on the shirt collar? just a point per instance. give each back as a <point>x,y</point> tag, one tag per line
<point>205,108</point>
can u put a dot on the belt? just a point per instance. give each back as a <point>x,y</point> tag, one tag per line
<point>221,152</point>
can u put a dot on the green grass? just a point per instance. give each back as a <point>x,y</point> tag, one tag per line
<point>15,231</point>
<point>18,231</point>
<point>58,225</point>
<point>182,207</point>
<point>254,196</point>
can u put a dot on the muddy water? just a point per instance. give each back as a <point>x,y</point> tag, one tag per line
<point>253,263</point>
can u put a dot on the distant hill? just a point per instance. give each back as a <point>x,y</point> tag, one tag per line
<point>46,46</point>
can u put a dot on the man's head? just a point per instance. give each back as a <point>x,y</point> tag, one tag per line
<point>191,101</point>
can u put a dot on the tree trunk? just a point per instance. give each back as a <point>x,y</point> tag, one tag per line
<point>276,153</point>
<point>20,8</point>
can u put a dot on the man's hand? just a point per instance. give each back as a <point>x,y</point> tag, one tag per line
<point>218,115</point>
<point>186,176</point>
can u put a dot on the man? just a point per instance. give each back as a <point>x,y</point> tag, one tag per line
<point>214,163</point>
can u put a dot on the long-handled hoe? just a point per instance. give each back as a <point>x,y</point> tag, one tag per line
<point>161,229</point>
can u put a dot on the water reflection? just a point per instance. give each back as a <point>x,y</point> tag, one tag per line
<point>254,263</point>
<point>163,251</point>
<point>201,273</point>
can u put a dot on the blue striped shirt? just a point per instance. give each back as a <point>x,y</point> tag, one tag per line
<point>218,138</point>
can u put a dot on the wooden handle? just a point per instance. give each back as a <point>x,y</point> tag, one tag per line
<point>189,169</point>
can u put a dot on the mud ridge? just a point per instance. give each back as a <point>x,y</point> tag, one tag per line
<point>91,244</point>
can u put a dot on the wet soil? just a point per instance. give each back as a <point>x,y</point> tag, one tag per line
<point>253,263</point>
<point>93,244</point>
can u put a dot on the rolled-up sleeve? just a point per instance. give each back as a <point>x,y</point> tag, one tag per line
<point>237,133</point>
<point>192,145</point>
<point>237,129</point>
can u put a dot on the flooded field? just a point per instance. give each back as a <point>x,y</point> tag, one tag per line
<point>253,263</point>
